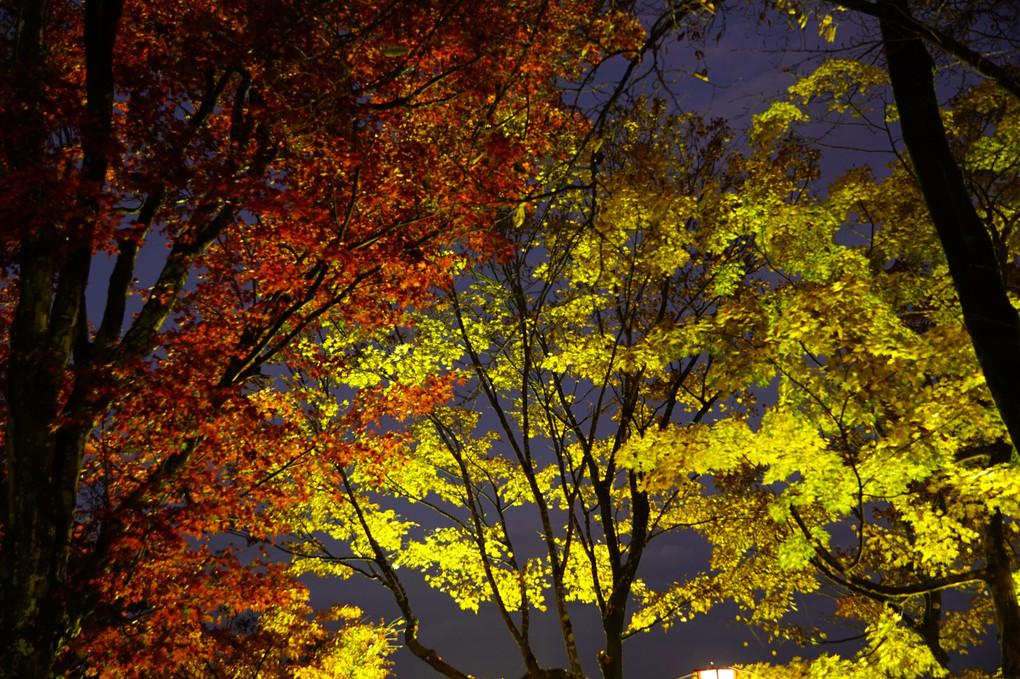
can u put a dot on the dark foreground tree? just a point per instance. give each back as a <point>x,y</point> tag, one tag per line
<point>973,216</point>
<point>991,318</point>
<point>960,168</point>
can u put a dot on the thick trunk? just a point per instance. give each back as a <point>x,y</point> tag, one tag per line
<point>36,615</point>
<point>43,460</point>
<point>45,430</point>
<point>33,555</point>
<point>930,627</point>
<point>611,659</point>
<point>614,616</point>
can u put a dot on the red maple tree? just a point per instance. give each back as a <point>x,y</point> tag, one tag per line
<point>189,188</point>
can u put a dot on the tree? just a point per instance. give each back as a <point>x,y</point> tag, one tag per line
<point>980,36</point>
<point>992,320</point>
<point>973,224</point>
<point>978,268</point>
<point>882,456</point>
<point>222,179</point>
<point>884,421</point>
<point>581,348</point>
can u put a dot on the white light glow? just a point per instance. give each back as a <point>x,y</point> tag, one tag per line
<point>716,673</point>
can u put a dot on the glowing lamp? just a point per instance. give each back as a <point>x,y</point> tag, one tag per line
<point>716,673</point>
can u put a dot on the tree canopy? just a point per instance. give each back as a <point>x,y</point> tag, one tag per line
<point>350,290</point>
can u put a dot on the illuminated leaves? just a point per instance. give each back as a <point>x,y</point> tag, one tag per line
<point>588,350</point>
<point>871,463</point>
<point>840,82</point>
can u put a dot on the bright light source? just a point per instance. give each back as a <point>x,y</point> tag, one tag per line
<point>716,673</point>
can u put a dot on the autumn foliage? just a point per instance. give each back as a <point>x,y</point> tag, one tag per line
<point>274,271</point>
<point>189,188</point>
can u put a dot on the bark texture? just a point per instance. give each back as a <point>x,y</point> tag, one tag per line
<point>46,428</point>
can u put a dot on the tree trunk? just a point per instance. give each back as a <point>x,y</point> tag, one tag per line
<point>46,430</point>
<point>930,627</point>
<point>1000,584</point>
<point>33,555</point>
